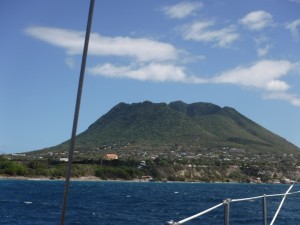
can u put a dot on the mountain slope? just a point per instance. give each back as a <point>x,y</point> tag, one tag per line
<point>198,124</point>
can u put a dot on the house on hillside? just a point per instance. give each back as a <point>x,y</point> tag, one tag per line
<point>110,156</point>
<point>63,159</point>
<point>237,150</point>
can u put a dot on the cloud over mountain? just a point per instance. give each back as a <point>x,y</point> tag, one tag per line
<point>182,9</point>
<point>141,49</point>
<point>153,60</point>
<point>204,31</point>
<point>257,20</point>
<point>294,27</point>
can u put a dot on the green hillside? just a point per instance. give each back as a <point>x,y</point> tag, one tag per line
<point>202,125</point>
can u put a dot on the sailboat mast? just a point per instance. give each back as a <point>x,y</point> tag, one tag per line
<point>77,109</point>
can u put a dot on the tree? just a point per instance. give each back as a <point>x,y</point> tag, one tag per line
<point>13,168</point>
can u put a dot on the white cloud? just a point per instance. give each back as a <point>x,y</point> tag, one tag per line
<point>294,28</point>
<point>71,40</point>
<point>182,9</point>
<point>201,31</point>
<point>291,98</point>
<point>264,75</point>
<point>264,45</point>
<point>151,72</point>
<point>186,57</point>
<point>257,20</point>
<point>296,1</point>
<point>263,51</point>
<point>141,49</point>
<point>155,61</point>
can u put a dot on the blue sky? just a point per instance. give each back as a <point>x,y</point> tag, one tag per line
<point>241,54</point>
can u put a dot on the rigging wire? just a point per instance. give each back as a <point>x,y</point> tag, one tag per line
<point>76,114</point>
<point>283,199</point>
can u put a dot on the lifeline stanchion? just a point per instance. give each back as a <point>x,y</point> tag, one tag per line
<point>264,202</point>
<point>226,211</point>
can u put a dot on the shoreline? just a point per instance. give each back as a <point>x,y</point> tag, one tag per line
<point>97,179</point>
<point>83,178</point>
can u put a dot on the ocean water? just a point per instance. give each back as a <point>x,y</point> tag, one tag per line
<point>136,203</point>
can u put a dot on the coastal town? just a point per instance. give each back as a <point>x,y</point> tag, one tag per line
<point>216,164</point>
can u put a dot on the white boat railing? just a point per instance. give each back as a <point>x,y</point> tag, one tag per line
<point>226,204</point>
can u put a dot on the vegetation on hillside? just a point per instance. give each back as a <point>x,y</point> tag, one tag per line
<point>198,124</point>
